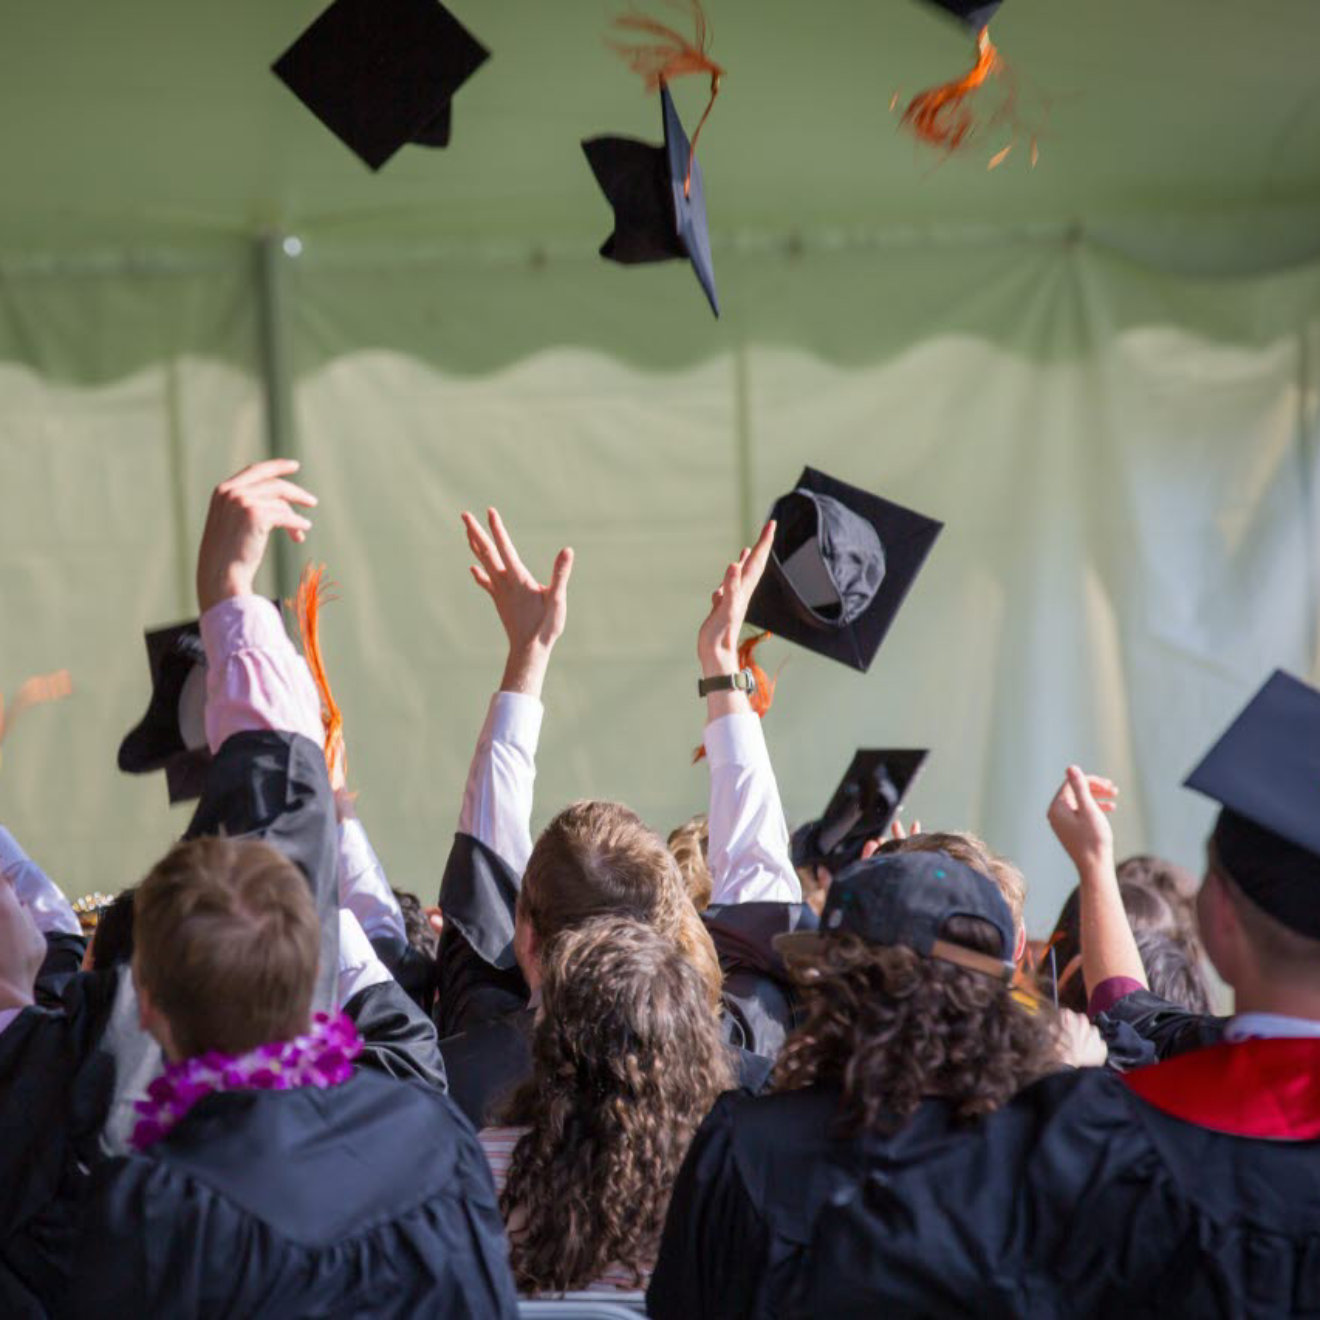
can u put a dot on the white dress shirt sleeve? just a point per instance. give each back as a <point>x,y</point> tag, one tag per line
<point>749,856</point>
<point>363,888</point>
<point>35,890</point>
<point>497,801</point>
<point>359,966</point>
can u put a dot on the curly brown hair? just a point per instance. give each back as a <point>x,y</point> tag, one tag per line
<point>891,1028</point>
<point>628,1059</point>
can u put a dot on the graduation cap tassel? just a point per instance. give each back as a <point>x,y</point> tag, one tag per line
<point>35,692</point>
<point>313,592</point>
<point>940,116</point>
<point>760,700</point>
<point>672,56</point>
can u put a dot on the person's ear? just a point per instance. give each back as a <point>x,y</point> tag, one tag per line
<point>151,1019</point>
<point>1020,945</point>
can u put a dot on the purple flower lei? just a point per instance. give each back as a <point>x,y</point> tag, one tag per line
<point>322,1058</point>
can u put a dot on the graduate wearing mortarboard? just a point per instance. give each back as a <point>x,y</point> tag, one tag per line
<point>1191,1187</point>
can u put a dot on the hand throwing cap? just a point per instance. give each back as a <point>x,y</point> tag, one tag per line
<point>862,808</point>
<point>171,736</point>
<point>381,73</point>
<point>842,564</point>
<point>1265,773</point>
<point>657,217</point>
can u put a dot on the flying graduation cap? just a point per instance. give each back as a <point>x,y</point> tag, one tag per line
<point>842,564</point>
<point>862,808</point>
<point>380,74</point>
<point>1265,774</point>
<point>942,116</point>
<point>171,736</point>
<point>659,206</point>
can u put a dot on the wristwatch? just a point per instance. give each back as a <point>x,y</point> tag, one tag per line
<point>742,681</point>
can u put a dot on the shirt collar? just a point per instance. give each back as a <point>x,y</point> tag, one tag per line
<point>1269,1026</point>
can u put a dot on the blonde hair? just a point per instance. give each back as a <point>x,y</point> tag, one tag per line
<point>690,844</point>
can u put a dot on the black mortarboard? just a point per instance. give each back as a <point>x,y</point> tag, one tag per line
<point>381,73</point>
<point>171,736</point>
<point>862,808</point>
<point>974,13</point>
<point>842,563</point>
<point>655,217</point>
<point>1265,773</point>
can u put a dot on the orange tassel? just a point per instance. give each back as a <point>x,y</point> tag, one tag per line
<point>35,692</point>
<point>672,56</point>
<point>313,592</point>
<point>764,695</point>
<point>940,116</point>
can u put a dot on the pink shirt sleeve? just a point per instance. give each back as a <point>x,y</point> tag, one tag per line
<point>1109,992</point>
<point>255,678</point>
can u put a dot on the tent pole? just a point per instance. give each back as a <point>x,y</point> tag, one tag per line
<point>273,250</point>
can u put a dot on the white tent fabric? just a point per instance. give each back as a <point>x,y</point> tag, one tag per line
<point>1125,460</point>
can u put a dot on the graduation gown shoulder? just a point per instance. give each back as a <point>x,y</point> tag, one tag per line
<point>369,1198</point>
<point>1078,1198</point>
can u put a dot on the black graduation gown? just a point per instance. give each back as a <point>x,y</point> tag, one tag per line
<point>1167,1029</point>
<point>56,1080</point>
<point>371,1198</point>
<point>760,1006</point>
<point>52,1107</point>
<point>1081,1197</point>
<point>483,997</point>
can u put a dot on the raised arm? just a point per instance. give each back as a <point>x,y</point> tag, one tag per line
<point>497,801</point>
<point>36,891</point>
<point>749,855</point>
<point>1079,816</point>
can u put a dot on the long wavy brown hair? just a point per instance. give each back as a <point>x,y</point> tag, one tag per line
<point>891,1028</point>
<point>627,1058</point>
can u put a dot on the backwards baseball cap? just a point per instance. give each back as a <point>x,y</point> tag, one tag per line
<point>908,899</point>
<point>1265,773</point>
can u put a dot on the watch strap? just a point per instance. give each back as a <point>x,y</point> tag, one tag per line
<point>742,681</point>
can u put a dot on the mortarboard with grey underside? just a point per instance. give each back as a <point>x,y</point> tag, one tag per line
<point>380,74</point>
<point>657,217</point>
<point>1265,774</point>
<point>841,566</point>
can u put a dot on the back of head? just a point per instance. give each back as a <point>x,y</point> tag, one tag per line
<point>112,940</point>
<point>1174,970</point>
<point>417,926</point>
<point>973,852</point>
<point>628,1058</point>
<point>226,943</point>
<point>690,843</point>
<point>599,859</point>
<point>1172,884</point>
<point>891,1027</point>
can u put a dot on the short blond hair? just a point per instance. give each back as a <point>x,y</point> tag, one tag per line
<point>690,844</point>
<point>227,943</point>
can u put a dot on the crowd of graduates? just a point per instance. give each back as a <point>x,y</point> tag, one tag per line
<point>681,1072</point>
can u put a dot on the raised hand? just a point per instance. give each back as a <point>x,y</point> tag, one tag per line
<point>1079,817</point>
<point>1078,1042</point>
<point>717,638</point>
<point>533,613</point>
<point>244,511</point>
